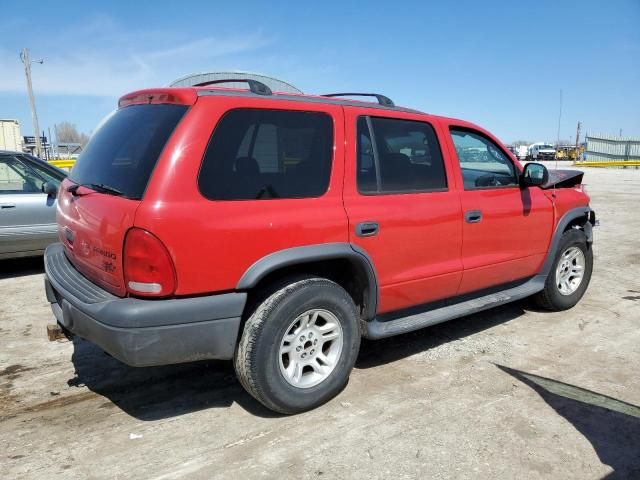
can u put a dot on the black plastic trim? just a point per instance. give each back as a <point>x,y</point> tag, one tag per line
<point>382,100</point>
<point>255,86</point>
<point>305,99</point>
<point>142,347</point>
<point>379,328</point>
<point>314,253</point>
<point>566,219</point>
<point>143,332</point>
<point>65,275</point>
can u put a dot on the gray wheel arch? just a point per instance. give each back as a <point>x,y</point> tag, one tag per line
<point>314,253</point>
<point>572,215</point>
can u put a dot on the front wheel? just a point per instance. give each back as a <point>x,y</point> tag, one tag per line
<point>299,345</point>
<point>570,273</point>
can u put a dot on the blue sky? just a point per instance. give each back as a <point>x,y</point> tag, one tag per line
<point>500,64</point>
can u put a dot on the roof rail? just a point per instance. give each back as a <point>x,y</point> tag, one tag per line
<point>255,86</point>
<point>382,100</point>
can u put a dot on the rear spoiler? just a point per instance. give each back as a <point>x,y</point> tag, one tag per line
<point>177,96</point>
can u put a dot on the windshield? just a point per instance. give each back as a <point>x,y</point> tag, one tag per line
<point>545,147</point>
<point>126,147</point>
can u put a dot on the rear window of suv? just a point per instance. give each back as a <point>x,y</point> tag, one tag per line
<point>266,154</point>
<point>124,150</point>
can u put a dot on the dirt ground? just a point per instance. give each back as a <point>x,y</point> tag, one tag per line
<point>509,393</point>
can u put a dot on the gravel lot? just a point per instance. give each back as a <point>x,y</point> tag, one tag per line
<point>507,393</point>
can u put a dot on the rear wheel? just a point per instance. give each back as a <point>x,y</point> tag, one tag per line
<point>570,273</point>
<point>299,345</point>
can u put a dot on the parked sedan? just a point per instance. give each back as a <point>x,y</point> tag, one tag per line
<point>28,188</point>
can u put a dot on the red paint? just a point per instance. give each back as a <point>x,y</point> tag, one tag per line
<point>98,224</point>
<point>424,250</point>
<point>417,252</point>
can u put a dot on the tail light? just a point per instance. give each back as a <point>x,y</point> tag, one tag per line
<point>148,268</point>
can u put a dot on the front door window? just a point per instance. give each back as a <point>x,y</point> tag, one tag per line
<point>483,163</point>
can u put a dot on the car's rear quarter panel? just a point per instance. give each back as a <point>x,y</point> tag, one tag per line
<point>214,242</point>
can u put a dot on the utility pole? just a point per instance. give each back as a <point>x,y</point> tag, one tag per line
<point>24,56</point>
<point>50,150</point>
<point>578,142</point>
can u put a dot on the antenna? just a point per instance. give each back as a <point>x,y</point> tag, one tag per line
<point>559,122</point>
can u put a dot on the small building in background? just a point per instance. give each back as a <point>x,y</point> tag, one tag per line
<point>29,146</point>
<point>273,83</point>
<point>10,136</point>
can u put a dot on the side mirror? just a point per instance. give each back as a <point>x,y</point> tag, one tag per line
<point>50,188</point>
<point>534,174</point>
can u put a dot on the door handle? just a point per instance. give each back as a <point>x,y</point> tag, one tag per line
<point>367,229</point>
<point>472,216</point>
<point>7,205</point>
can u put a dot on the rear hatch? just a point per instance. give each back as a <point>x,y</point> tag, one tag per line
<point>97,203</point>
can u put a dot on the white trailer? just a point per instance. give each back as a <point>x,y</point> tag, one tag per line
<point>10,136</point>
<point>521,152</point>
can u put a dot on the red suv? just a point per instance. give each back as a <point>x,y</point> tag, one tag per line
<point>278,229</point>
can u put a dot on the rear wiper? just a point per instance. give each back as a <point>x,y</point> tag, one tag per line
<point>100,187</point>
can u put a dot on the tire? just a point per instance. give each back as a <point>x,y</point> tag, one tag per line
<point>283,382</point>
<point>552,297</point>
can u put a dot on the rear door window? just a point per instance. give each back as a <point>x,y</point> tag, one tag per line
<point>267,154</point>
<point>404,157</point>
<point>125,149</point>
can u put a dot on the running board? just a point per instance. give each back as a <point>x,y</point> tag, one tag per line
<point>377,328</point>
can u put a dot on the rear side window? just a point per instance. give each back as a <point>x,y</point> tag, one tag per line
<point>124,150</point>
<point>266,154</point>
<point>398,156</point>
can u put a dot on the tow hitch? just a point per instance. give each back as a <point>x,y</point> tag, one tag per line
<point>57,332</point>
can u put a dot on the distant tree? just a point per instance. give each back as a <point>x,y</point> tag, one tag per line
<point>67,132</point>
<point>517,143</point>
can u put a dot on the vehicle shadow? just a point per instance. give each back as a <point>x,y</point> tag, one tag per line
<point>610,425</point>
<point>153,393</point>
<point>380,352</point>
<point>20,267</point>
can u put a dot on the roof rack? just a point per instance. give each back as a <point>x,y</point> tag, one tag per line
<point>382,100</point>
<point>255,86</point>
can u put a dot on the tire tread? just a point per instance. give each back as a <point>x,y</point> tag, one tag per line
<point>547,299</point>
<point>245,358</point>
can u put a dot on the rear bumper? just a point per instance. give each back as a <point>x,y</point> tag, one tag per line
<point>142,332</point>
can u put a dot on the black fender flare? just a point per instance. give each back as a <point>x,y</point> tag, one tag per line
<point>566,219</point>
<point>314,253</point>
